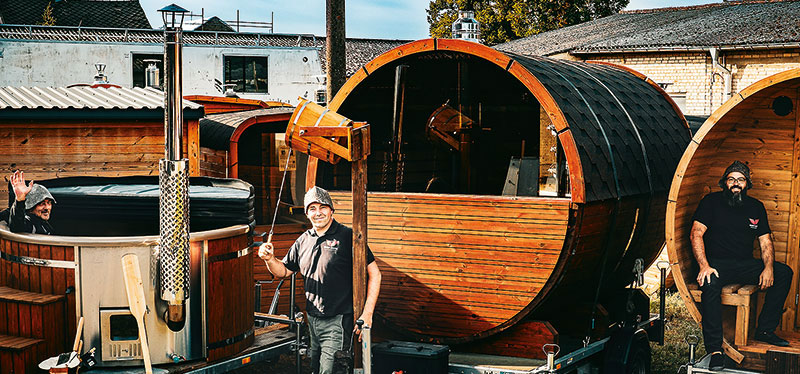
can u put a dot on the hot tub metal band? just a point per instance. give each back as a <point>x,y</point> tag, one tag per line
<point>33,261</point>
<point>173,251</point>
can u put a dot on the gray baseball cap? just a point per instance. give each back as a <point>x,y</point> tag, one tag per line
<point>38,194</point>
<point>317,195</point>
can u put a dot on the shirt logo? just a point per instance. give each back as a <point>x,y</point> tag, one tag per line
<point>330,245</point>
<point>753,223</point>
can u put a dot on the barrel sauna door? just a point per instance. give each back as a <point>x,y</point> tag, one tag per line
<point>761,128</point>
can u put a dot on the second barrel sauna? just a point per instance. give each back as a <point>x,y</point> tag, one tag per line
<point>760,127</point>
<point>505,188</point>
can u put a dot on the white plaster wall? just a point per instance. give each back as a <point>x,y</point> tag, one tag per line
<point>59,64</point>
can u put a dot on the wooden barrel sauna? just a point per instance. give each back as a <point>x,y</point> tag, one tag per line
<point>501,187</point>
<point>758,126</point>
<point>220,307</point>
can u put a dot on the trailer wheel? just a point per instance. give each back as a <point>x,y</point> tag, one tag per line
<point>639,360</point>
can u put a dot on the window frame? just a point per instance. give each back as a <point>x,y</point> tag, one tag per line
<point>246,59</point>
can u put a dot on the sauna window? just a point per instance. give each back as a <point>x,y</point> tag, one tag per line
<point>246,73</point>
<point>140,63</point>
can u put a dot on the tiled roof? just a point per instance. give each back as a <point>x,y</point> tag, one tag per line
<point>359,51</point>
<point>740,24</point>
<point>84,97</point>
<point>88,13</point>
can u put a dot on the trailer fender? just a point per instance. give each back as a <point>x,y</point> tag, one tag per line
<point>628,351</point>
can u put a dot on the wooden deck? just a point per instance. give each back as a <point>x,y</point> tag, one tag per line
<point>756,353</point>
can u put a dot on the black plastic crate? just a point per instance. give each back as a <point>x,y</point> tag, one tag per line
<point>410,358</point>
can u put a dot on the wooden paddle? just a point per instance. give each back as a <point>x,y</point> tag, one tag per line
<point>136,301</point>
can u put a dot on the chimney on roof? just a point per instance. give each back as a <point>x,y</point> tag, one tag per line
<point>100,78</point>
<point>466,27</point>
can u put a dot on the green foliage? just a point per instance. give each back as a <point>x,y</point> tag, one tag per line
<point>675,351</point>
<point>47,17</point>
<point>506,20</point>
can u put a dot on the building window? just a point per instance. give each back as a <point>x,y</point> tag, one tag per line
<point>246,73</point>
<point>140,63</point>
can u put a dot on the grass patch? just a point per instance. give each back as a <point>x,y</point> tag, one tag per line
<point>679,324</point>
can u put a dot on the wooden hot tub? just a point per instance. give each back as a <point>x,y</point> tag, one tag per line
<point>464,253</point>
<point>48,281</point>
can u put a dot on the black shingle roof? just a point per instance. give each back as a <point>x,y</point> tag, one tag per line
<point>215,24</point>
<point>118,14</point>
<point>740,24</point>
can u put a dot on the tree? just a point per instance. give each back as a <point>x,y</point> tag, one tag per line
<point>47,17</point>
<point>506,20</point>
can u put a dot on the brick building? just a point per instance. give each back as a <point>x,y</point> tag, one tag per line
<point>674,46</point>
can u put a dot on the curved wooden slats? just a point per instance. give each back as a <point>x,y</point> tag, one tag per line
<point>621,137</point>
<point>744,128</point>
<point>460,267</point>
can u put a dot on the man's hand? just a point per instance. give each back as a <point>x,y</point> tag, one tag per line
<point>705,275</point>
<point>367,318</point>
<point>766,278</point>
<point>18,183</point>
<point>266,251</point>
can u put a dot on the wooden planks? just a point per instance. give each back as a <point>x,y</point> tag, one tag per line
<point>229,300</point>
<point>746,128</point>
<point>47,150</point>
<point>457,266</point>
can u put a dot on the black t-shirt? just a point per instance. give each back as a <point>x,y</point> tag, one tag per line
<point>731,230</point>
<point>326,264</point>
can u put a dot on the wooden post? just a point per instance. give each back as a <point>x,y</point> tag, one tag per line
<point>359,178</point>
<point>335,68</point>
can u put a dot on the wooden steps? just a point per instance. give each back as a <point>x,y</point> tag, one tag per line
<point>19,354</point>
<point>31,329</point>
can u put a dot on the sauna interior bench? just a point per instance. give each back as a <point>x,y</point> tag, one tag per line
<point>740,296</point>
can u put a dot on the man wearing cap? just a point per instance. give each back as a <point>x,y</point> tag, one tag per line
<point>31,209</point>
<point>726,224</point>
<point>324,256</point>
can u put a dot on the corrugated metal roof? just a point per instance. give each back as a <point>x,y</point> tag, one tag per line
<point>84,97</point>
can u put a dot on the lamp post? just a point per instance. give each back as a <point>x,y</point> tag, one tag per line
<point>173,175</point>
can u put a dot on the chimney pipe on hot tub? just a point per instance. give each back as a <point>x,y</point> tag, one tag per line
<point>173,175</point>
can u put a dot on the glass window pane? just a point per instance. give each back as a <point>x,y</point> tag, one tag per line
<point>256,74</point>
<point>234,68</point>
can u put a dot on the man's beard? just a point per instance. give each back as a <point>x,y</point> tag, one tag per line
<point>735,199</point>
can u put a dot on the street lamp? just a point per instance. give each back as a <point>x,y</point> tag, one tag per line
<point>173,175</point>
<point>170,14</point>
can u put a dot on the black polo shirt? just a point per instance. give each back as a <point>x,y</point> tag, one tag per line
<point>326,263</point>
<point>731,230</point>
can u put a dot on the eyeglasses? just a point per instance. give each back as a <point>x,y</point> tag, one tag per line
<point>740,180</point>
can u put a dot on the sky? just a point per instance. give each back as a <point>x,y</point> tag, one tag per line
<point>383,19</point>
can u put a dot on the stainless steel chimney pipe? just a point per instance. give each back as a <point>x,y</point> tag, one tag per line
<point>173,252</point>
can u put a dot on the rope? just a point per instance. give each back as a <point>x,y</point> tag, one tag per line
<point>280,193</point>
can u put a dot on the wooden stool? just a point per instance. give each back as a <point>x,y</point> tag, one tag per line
<point>737,295</point>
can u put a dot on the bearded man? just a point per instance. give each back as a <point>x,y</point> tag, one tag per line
<point>726,225</point>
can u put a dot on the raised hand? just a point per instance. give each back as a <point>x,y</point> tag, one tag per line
<point>21,190</point>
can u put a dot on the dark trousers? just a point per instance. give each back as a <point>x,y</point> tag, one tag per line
<point>742,272</point>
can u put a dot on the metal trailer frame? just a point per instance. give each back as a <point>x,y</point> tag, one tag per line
<point>580,360</point>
